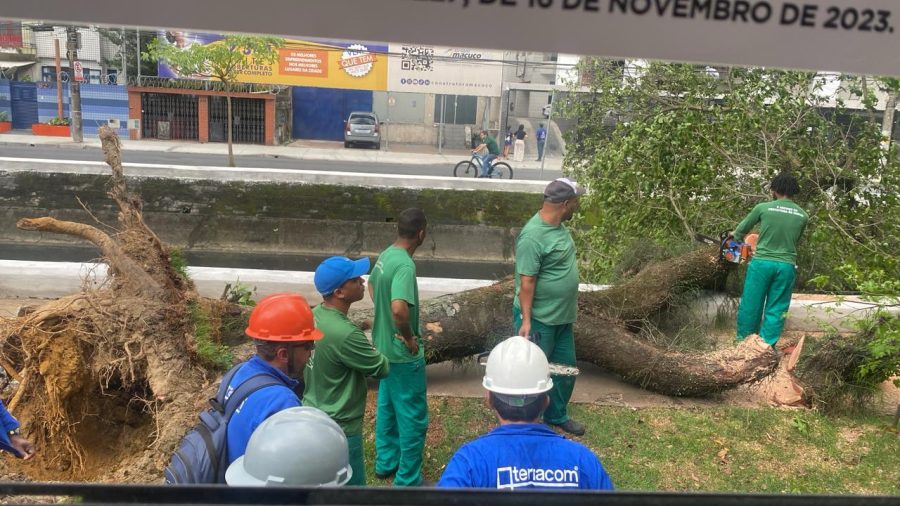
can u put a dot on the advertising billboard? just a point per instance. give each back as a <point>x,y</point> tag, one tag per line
<point>313,63</point>
<point>10,33</point>
<point>445,70</point>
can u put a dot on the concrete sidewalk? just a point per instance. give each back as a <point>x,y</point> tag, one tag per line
<point>298,150</point>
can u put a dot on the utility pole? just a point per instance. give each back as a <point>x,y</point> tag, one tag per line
<point>549,129</point>
<point>72,40</point>
<point>137,35</point>
<point>124,77</point>
<point>59,95</point>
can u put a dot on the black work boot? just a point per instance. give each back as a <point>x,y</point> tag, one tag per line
<point>571,426</point>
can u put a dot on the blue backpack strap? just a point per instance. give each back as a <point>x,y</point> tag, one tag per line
<point>249,385</point>
<point>240,394</point>
<point>218,402</point>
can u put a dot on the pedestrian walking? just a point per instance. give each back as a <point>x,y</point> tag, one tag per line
<point>507,142</point>
<point>545,305</point>
<point>522,452</point>
<point>769,281</point>
<point>335,376</point>
<point>541,136</point>
<point>519,146</point>
<point>401,420</point>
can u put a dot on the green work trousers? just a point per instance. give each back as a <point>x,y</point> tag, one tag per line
<point>767,297</point>
<point>357,460</point>
<point>401,422</point>
<point>558,343</point>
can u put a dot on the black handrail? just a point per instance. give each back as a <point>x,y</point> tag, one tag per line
<point>101,494</point>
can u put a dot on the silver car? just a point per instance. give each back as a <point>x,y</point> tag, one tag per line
<point>362,128</point>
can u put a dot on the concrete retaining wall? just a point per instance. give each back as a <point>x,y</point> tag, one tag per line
<point>275,211</point>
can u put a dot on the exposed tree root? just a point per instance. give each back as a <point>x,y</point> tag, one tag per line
<point>108,380</point>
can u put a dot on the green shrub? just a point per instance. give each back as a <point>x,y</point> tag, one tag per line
<point>210,353</point>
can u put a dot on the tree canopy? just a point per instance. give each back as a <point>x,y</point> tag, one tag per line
<point>670,150</point>
<point>221,60</point>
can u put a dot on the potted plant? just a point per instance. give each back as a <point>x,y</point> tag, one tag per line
<point>5,124</point>
<point>57,127</point>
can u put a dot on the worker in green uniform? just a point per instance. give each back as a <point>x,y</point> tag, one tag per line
<point>335,375</point>
<point>546,300</point>
<point>402,416</point>
<point>771,273</point>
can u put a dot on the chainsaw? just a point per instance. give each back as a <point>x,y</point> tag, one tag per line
<point>555,369</point>
<point>731,251</point>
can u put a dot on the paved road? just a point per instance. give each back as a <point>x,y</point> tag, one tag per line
<point>94,154</point>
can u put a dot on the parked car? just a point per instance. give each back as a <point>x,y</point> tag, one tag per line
<point>362,128</point>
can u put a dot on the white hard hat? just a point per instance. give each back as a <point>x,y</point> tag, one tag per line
<point>294,447</point>
<point>517,366</point>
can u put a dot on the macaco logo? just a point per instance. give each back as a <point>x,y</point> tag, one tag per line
<point>512,477</point>
<point>466,55</point>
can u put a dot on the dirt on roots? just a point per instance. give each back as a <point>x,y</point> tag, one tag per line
<point>85,394</point>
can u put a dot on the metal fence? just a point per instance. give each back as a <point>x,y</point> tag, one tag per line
<point>249,120</point>
<point>85,494</point>
<point>168,116</point>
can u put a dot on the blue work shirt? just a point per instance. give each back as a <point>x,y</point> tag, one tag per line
<point>525,456</point>
<point>8,423</point>
<point>541,134</point>
<point>260,405</point>
<point>7,420</point>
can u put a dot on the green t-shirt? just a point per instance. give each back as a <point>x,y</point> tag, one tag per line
<point>781,223</point>
<point>335,375</point>
<point>491,145</point>
<point>548,253</point>
<point>394,278</point>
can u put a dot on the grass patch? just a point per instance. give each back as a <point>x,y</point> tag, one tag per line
<point>208,351</point>
<point>722,449</point>
<point>179,263</point>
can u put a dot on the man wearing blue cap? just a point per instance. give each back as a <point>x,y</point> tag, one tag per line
<point>336,375</point>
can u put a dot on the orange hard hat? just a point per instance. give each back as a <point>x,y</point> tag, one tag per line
<point>283,317</point>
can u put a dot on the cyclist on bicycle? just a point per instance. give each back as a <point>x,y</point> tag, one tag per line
<point>493,151</point>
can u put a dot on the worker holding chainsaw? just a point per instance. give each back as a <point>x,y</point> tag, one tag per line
<point>546,301</point>
<point>771,273</point>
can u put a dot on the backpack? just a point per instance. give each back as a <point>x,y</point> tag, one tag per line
<point>202,455</point>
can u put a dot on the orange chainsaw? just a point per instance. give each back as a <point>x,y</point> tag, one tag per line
<point>732,251</point>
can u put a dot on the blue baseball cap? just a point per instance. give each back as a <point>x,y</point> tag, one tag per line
<point>335,271</point>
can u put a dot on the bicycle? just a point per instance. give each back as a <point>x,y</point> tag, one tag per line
<point>472,167</point>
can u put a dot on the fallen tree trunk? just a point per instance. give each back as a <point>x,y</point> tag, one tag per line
<point>459,325</point>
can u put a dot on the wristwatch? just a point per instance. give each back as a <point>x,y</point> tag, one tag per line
<point>14,432</point>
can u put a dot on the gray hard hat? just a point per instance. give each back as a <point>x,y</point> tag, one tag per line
<point>294,447</point>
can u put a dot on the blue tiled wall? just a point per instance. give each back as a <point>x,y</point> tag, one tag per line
<point>99,103</point>
<point>5,104</point>
<point>46,96</point>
